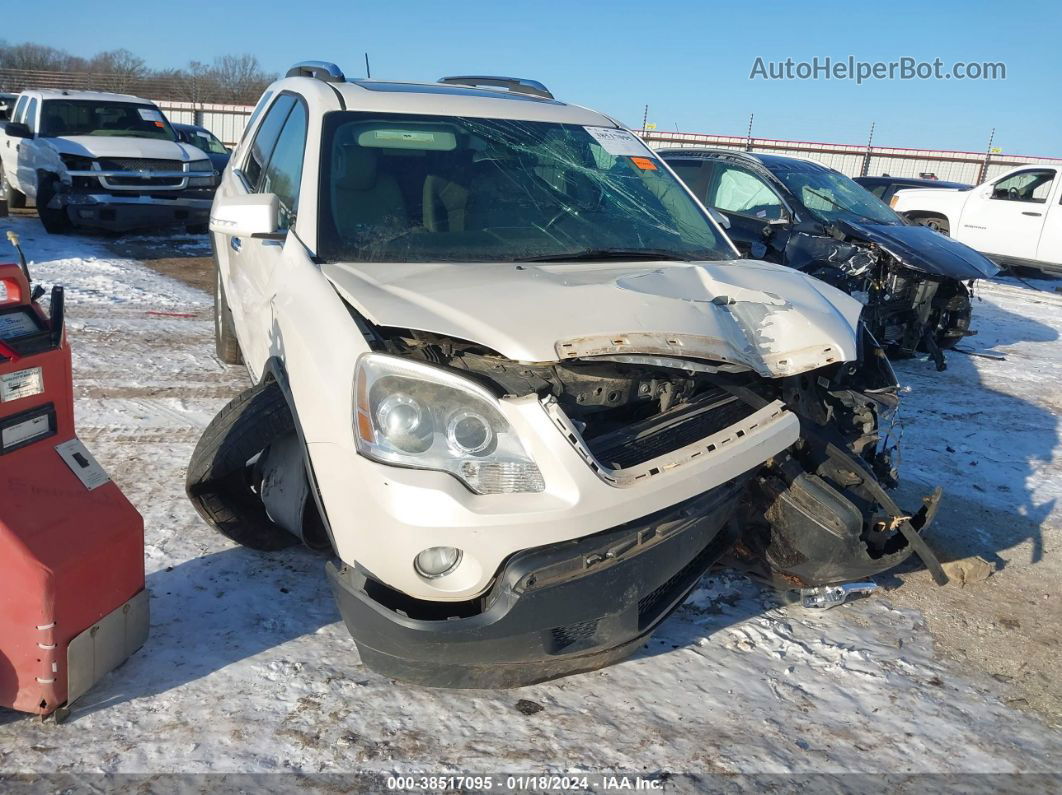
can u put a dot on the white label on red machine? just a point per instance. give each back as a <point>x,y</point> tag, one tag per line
<point>14,435</point>
<point>16,324</point>
<point>618,142</point>
<point>82,464</point>
<point>21,384</point>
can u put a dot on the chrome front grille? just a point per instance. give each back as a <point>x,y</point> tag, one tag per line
<point>138,164</point>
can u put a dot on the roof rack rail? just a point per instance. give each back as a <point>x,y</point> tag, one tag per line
<point>319,70</point>
<point>519,85</point>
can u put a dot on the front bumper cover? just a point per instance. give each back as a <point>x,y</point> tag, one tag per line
<point>553,611</point>
<point>120,213</point>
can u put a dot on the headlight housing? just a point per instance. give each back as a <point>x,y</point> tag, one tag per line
<point>415,415</point>
<point>76,162</point>
<point>201,181</point>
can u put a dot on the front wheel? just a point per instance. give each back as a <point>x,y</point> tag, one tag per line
<point>955,312</point>
<point>221,480</point>
<point>55,221</point>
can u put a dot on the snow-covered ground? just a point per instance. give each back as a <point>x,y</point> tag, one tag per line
<point>248,667</point>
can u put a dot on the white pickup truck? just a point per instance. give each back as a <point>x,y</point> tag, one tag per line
<point>109,161</point>
<point>1015,219</point>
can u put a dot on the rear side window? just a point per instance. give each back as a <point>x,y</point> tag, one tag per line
<point>691,172</point>
<point>266,138</point>
<point>19,107</point>
<point>284,172</point>
<point>31,115</point>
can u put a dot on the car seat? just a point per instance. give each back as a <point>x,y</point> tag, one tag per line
<point>362,196</point>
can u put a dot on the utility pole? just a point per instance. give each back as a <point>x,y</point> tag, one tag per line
<point>645,118</point>
<point>748,135</point>
<point>368,71</point>
<point>983,175</point>
<point>870,148</point>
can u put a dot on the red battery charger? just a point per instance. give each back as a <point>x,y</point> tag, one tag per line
<point>72,599</point>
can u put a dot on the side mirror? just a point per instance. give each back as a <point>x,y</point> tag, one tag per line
<point>246,216</point>
<point>719,218</point>
<point>17,129</point>
<point>777,223</point>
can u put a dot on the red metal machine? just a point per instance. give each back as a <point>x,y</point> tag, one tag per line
<point>72,598</point>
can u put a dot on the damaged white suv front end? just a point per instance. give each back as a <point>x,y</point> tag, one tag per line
<point>512,375</point>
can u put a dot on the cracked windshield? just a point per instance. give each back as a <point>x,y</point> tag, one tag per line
<point>88,117</point>
<point>429,189</point>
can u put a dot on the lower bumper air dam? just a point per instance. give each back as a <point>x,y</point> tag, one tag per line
<point>553,611</point>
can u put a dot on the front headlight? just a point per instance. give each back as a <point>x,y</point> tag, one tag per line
<point>414,415</point>
<point>199,166</point>
<point>76,162</point>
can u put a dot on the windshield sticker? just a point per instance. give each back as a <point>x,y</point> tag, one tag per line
<point>617,142</point>
<point>644,163</point>
<point>150,114</point>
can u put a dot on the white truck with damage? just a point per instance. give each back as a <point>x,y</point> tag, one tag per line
<point>515,382</point>
<point>1014,219</point>
<point>109,161</point>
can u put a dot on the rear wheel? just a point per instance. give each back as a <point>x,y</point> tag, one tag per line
<point>15,199</point>
<point>937,223</point>
<point>222,482</point>
<point>225,343</point>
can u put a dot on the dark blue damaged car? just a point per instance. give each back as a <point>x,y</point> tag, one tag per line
<point>915,283</point>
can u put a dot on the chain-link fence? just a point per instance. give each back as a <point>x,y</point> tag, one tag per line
<point>204,86</point>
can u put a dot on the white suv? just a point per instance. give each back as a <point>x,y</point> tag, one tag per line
<point>512,374</point>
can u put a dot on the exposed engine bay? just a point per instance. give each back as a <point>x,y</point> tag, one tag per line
<point>909,310</point>
<point>817,514</point>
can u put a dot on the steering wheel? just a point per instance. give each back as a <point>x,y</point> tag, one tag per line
<point>1013,194</point>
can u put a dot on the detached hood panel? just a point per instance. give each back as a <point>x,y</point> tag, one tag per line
<point>767,318</point>
<point>124,146</point>
<point>921,248</point>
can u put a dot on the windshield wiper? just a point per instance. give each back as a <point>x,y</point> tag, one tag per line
<point>585,254</point>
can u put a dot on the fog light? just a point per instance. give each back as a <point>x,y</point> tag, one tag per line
<point>437,561</point>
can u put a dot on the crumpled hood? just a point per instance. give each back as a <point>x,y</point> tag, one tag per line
<point>122,146</point>
<point>768,318</point>
<point>922,248</point>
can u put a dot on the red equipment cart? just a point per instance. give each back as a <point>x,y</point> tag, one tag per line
<point>72,598</point>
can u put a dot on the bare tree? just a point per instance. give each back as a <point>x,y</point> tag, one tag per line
<point>122,67</point>
<point>239,76</point>
<point>197,81</point>
<point>231,78</point>
<point>38,57</point>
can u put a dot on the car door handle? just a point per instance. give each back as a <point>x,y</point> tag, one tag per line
<point>234,243</point>
<point>1027,212</point>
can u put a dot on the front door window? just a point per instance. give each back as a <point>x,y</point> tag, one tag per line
<point>739,191</point>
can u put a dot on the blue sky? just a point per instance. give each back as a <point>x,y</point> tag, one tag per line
<point>690,61</point>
